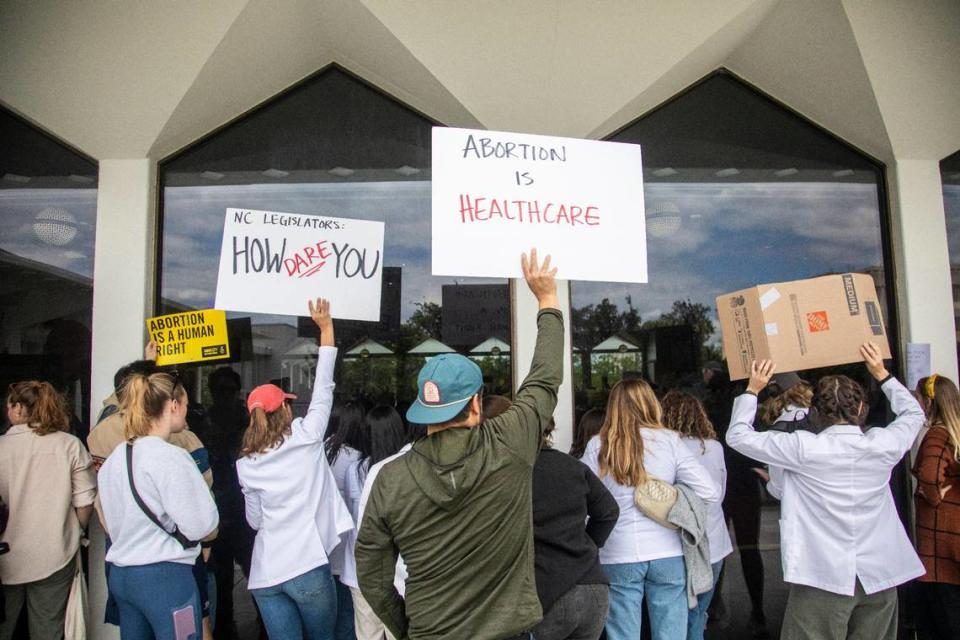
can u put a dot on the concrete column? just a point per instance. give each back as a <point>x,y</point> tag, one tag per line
<point>122,297</point>
<point>524,341</point>
<point>925,298</point>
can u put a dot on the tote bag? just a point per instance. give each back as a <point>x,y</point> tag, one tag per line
<point>75,625</point>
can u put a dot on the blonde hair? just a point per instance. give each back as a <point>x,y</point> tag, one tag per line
<point>266,430</point>
<point>631,406</point>
<point>799,395</point>
<point>943,407</point>
<point>684,414</point>
<point>46,410</point>
<point>144,399</point>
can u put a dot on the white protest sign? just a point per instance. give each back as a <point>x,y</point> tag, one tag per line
<point>918,362</point>
<point>274,262</point>
<point>498,194</point>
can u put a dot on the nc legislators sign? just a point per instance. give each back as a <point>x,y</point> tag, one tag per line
<point>272,262</point>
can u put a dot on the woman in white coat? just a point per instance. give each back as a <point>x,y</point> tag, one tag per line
<point>684,414</point>
<point>843,546</point>
<point>643,559</point>
<point>293,503</point>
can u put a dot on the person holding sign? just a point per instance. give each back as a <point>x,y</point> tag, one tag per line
<point>292,501</point>
<point>844,548</point>
<point>457,507</point>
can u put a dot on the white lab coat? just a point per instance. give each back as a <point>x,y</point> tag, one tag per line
<point>838,520</point>
<point>775,485</point>
<point>291,495</point>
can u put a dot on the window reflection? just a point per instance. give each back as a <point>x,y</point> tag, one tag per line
<point>739,191</point>
<point>48,198</point>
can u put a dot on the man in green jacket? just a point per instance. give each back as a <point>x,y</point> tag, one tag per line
<point>457,507</point>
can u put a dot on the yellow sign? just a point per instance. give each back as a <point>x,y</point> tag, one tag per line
<point>193,336</point>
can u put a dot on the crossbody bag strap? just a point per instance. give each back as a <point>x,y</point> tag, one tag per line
<point>185,542</point>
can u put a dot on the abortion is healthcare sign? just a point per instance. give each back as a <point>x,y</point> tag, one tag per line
<point>498,194</point>
<point>273,262</point>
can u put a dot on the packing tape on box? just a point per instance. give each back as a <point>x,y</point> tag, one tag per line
<point>769,298</point>
<point>772,329</point>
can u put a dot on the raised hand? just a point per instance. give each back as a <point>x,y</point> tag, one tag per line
<point>150,351</point>
<point>320,313</point>
<point>541,279</point>
<point>760,374</point>
<point>874,360</point>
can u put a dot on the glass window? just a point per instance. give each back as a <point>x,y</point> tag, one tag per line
<point>48,209</point>
<point>950,175</point>
<point>331,146</point>
<point>739,191</point>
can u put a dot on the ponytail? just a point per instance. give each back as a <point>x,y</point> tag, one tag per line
<point>45,408</point>
<point>144,399</point>
<point>265,431</point>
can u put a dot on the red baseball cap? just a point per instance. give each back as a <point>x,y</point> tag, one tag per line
<point>268,397</point>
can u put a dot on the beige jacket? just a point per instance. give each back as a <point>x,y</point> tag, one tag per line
<point>43,479</point>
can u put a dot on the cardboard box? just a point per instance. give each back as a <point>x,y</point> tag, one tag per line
<point>802,324</point>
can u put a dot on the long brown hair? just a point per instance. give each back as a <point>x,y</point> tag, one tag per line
<point>266,430</point>
<point>684,414</point>
<point>632,405</point>
<point>838,400</point>
<point>590,424</point>
<point>799,395</point>
<point>45,408</point>
<point>143,399</point>
<point>943,408</point>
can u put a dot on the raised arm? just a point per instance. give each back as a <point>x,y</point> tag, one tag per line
<point>900,434</point>
<point>771,447</point>
<point>521,425</point>
<point>314,424</point>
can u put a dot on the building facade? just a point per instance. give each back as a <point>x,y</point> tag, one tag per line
<point>782,139</point>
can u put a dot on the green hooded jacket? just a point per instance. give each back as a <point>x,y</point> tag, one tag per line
<point>458,508</point>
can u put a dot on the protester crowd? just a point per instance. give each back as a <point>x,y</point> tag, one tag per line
<point>463,522</point>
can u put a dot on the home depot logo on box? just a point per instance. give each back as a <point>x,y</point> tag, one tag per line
<point>817,321</point>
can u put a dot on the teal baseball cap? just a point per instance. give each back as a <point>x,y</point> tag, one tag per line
<point>445,385</point>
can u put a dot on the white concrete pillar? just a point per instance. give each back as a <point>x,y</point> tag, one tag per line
<point>122,297</point>
<point>925,299</point>
<point>525,339</point>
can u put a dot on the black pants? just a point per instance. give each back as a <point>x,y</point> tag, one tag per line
<point>742,507</point>
<point>937,612</point>
<point>579,614</point>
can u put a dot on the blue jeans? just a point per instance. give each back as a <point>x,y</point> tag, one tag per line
<point>663,582</point>
<point>157,601</point>
<point>697,617</point>
<point>344,628</point>
<point>305,604</point>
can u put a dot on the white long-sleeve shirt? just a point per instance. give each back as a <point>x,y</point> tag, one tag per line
<point>637,538</point>
<point>347,456</point>
<point>171,486</point>
<point>838,520</point>
<point>711,457</point>
<point>400,575</point>
<point>291,495</point>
